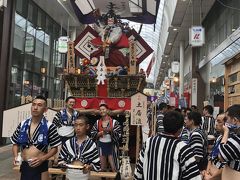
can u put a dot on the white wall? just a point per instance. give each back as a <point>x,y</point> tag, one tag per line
<point>187,67</point>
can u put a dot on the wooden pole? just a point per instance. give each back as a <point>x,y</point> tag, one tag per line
<point>137,142</point>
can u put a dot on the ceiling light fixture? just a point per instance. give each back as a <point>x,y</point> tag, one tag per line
<point>175,29</point>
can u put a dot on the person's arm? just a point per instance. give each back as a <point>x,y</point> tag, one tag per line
<point>224,139</point>
<point>88,111</point>
<point>15,153</point>
<point>206,172</point>
<point>225,134</point>
<point>116,112</point>
<point>14,140</point>
<point>217,173</point>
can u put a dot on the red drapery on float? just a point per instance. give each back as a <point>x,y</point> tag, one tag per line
<point>113,103</point>
<point>102,89</point>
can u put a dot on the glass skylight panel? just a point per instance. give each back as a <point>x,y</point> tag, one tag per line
<point>227,53</point>
<point>135,6</point>
<point>151,6</point>
<point>85,6</point>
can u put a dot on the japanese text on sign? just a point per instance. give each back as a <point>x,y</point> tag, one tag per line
<point>139,109</point>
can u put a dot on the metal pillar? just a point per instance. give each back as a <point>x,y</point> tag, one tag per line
<point>181,75</point>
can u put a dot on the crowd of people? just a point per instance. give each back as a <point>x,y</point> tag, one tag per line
<point>214,145</point>
<point>185,144</point>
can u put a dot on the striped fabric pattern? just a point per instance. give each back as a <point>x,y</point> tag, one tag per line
<point>208,124</point>
<point>116,135</point>
<point>230,152</point>
<point>166,158</point>
<point>159,127</point>
<point>57,120</point>
<point>198,142</point>
<point>89,153</point>
<point>215,160</point>
<point>53,137</point>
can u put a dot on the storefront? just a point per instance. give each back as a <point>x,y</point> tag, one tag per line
<point>30,62</point>
<point>35,60</point>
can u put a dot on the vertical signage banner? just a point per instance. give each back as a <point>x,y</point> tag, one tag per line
<point>71,58</point>
<point>63,44</point>
<point>133,57</point>
<point>175,66</point>
<point>139,109</point>
<point>12,117</point>
<point>196,36</point>
<point>194,91</point>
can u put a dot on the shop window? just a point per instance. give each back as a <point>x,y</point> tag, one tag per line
<point>32,12</point>
<point>15,87</point>
<point>57,88</point>
<point>34,53</point>
<point>27,84</point>
<point>37,84</point>
<point>19,32</point>
<point>21,7</point>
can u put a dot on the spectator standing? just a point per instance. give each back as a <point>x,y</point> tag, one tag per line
<point>229,149</point>
<point>208,124</point>
<point>162,109</point>
<point>197,140</point>
<point>164,156</point>
<point>33,137</point>
<point>214,168</point>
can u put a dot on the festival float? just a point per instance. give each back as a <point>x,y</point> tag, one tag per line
<point>103,64</point>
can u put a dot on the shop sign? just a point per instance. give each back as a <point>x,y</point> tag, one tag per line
<point>196,36</point>
<point>175,66</point>
<point>139,109</point>
<point>71,58</point>
<point>194,91</point>
<point>29,44</point>
<point>63,44</point>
